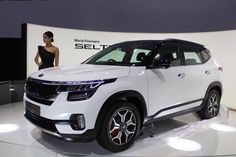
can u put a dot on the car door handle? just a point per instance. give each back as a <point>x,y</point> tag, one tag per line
<point>181,75</point>
<point>207,72</point>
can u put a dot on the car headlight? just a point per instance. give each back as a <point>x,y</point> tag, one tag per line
<point>82,90</point>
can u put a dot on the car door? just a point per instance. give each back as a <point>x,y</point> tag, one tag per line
<point>167,87</point>
<point>196,72</point>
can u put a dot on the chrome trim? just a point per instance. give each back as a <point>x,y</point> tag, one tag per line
<point>55,134</point>
<point>50,132</point>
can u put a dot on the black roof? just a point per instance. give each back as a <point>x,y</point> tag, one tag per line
<point>184,42</point>
<point>176,41</point>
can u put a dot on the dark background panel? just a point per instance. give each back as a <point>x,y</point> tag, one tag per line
<point>159,16</point>
<point>11,59</point>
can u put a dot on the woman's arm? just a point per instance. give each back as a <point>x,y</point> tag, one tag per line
<point>56,57</point>
<point>36,59</point>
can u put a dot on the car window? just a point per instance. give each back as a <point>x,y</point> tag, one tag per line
<point>205,55</point>
<point>136,52</point>
<point>168,54</point>
<point>124,54</point>
<point>114,56</point>
<point>192,57</point>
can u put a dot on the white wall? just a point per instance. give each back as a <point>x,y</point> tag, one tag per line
<point>221,44</point>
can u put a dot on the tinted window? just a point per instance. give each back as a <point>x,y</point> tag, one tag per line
<point>192,56</point>
<point>136,55</point>
<point>205,55</point>
<point>168,54</point>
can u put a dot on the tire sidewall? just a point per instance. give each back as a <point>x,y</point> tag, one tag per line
<point>206,112</point>
<point>104,135</point>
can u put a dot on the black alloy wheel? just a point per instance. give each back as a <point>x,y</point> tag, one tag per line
<point>211,105</point>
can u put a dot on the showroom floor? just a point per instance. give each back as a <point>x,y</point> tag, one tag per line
<point>182,136</point>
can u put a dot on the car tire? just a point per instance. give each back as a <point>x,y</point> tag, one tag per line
<point>120,127</point>
<point>211,106</point>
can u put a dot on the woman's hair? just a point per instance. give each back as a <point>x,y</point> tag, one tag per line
<point>49,34</point>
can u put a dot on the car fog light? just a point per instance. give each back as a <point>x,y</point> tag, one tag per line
<point>77,121</point>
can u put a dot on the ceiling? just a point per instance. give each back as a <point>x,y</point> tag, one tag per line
<point>157,16</point>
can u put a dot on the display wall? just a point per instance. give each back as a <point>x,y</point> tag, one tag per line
<point>77,45</point>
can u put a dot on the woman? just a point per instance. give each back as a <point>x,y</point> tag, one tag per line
<point>48,54</point>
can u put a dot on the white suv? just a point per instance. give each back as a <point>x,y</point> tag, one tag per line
<point>114,93</point>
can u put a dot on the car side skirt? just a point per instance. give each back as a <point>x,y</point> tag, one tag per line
<point>150,119</point>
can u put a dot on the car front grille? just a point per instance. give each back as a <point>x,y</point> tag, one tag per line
<point>40,91</point>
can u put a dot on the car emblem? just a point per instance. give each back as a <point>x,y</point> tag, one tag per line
<point>40,75</point>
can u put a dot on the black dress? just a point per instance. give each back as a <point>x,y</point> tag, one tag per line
<point>47,58</point>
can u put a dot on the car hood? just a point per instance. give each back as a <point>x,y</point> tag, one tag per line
<point>82,72</point>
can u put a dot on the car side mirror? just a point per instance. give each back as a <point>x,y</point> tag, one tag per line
<point>162,63</point>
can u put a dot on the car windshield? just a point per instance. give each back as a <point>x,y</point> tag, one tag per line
<point>124,54</point>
